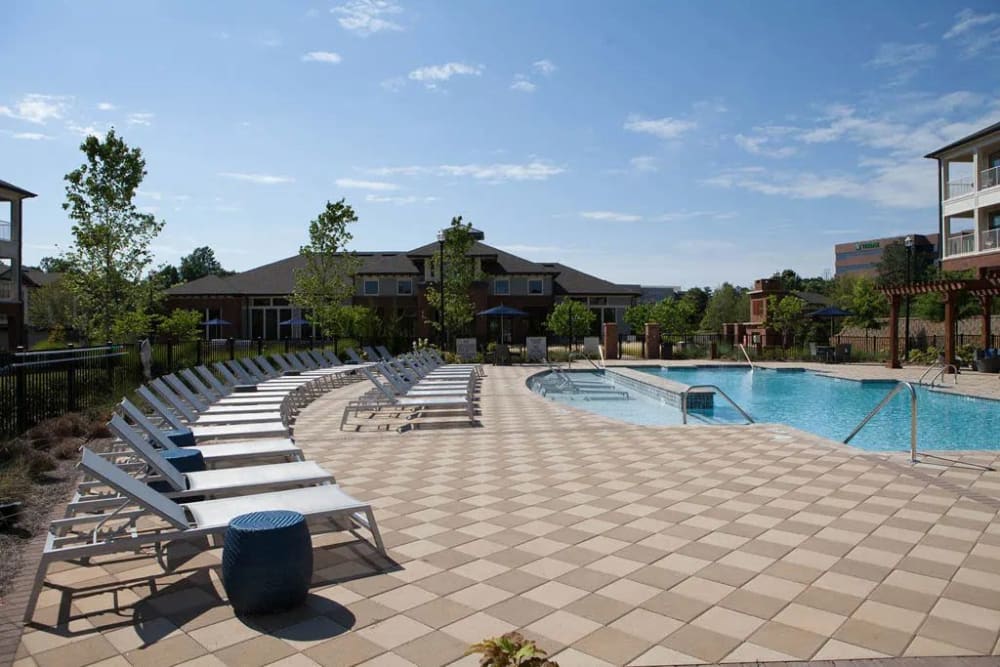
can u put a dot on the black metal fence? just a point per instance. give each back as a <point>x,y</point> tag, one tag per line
<point>880,344</point>
<point>35,386</point>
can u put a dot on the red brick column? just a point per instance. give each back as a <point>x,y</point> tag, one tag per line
<point>652,340</point>
<point>893,361</point>
<point>610,340</point>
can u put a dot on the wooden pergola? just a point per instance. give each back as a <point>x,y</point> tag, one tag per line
<point>982,288</point>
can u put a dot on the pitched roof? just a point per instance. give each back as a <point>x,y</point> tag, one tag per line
<point>505,262</point>
<point>4,185</point>
<point>278,278</point>
<point>570,281</point>
<point>972,137</point>
<point>813,298</point>
<point>39,278</point>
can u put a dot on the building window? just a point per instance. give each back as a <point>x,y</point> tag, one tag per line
<point>5,218</point>
<point>371,288</point>
<point>7,276</point>
<point>501,286</point>
<point>404,287</point>
<point>535,286</point>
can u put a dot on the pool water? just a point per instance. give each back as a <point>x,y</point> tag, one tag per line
<point>600,395</point>
<point>832,407</point>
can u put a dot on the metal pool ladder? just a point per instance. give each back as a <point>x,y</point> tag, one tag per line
<point>743,348</point>
<point>885,401</point>
<point>941,370</point>
<point>684,401</point>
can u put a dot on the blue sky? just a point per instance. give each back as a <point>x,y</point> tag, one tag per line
<point>653,142</point>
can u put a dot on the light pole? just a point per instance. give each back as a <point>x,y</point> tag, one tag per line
<point>444,340</point>
<point>908,242</point>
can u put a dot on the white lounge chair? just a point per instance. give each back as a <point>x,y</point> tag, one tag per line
<point>383,397</point>
<point>84,536</point>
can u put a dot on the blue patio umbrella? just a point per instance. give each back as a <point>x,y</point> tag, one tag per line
<point>502,311</point>
<point>294,321</point>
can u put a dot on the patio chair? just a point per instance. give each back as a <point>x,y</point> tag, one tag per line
<point>384,351</point>
<point>384,397</point>
<point>205,405</point>
<point>198,413</point>
<point>219,394</point>
<point>84,536</point>
<point>404,387</point>
<point>214,431</point>
<point>214,453</point>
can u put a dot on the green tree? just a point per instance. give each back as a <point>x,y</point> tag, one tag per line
<point>459,274</point>
<point>638,316</point>
<point>790,280</point>
<point>326,282</point>
<point>788,316</point>
<point>111,236</point>
<point>892,267</point>
<point>131,326</point>
<point>200,263</point>
<point>165,275</point>
<point>867,305</point>
<point>570,319</point>
<point>181,325</point>
<point>55,264</point>
<point>53,306</point>
<point>697,298</point>
<point>727,304</point>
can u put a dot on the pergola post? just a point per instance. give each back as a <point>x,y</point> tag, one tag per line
<point>986,304</point>
<point>949,327</point>
<point>893,361</point>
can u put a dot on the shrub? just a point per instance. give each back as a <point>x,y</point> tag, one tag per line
<point>510,650</point>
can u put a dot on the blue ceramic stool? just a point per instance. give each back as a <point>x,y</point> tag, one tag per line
<point>267,561</point>
<point>182,437</point>
<point>184,460</point>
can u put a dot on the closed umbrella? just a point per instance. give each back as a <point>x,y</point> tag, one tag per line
<point>216,322</point>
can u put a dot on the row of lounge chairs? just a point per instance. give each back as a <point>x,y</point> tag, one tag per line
<point>239,415</point>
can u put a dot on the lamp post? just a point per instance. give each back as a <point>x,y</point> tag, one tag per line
<point>441,237</point>
<point>908,242</point>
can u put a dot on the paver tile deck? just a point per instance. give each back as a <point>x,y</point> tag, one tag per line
<point>607,543</point>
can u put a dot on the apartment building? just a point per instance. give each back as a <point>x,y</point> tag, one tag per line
<point>969,210</point>
<point>11,247</point>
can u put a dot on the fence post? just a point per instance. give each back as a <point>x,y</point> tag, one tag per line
<point>71,383</point>
<point>20,394</point>
<point>260,346</point>
<point>170,356</point>
<point>286,346</point>
<point>197,352</point>
<point>232,348</point>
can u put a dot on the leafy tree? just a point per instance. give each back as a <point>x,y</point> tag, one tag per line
<point>786,315</point>
<point>637,316</point>
<point>200,263</point>
<point>790,280</point>
<point>727,304</point>
<point>361,322</point>
<point>181,325</point>
<point>697,298</point>
<point>867,304</point>
<point>459,274</point>
<point>131,326</point>
<point>326,281</point>
<point>570,318</point>
<point>53,305</point>
<point>111,236</point>
<point>55,264</point>
<point>817,285</point>
<point>676,317</point>
<point>165,275</point>
<point>892,267</point>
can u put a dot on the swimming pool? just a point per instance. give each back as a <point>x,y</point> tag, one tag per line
<point>594,392</point>
<point>832,407</point>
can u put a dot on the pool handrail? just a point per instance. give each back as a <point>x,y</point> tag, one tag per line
<point>684,402</point>
<point>942,370</point>
<point>885,401</point>
<point>582,355</point>
<point>743,348</point>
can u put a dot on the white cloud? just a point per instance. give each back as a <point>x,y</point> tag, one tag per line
<point>536,170</point>
<point>143,118</point>
<point>678,216</point>
<point>393,85</point>
<point>356,184</point>
<point>544,67</point>
<point>645,163</point>
<point>610,216</point>
<point>30,136</point>
<point>432,74</point>
<point>762,144</point>
<point>523,84</point>
<point>399,201</point>
<point>150,194</point>
<point>974,29</point>
<point>259,179</point>
<point>895,55</point>
<point>89,130</point>
<point>664,128</point>
<point>366,17</point>
<point>106,106</point>
<point>322,57</point>
<point>38,109</point>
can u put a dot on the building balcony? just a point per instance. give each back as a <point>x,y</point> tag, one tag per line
<point>989,178</point>
<point>965,243</point>
<point>959,188</point>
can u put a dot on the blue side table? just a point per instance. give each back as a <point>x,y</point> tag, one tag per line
<point>267,561</point>
<point>183,460</point>
<point>182,437</point>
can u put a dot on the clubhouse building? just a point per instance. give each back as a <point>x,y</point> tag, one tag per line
<point>256,303</point>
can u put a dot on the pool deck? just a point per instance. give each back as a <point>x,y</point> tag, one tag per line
<point>608,543</point>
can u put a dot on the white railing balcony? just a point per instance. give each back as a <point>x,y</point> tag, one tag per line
<point>960,244</point>
<point>4,230</point>
<point>958,188</point>
<point>989,239</point>
<point>989,178</point>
